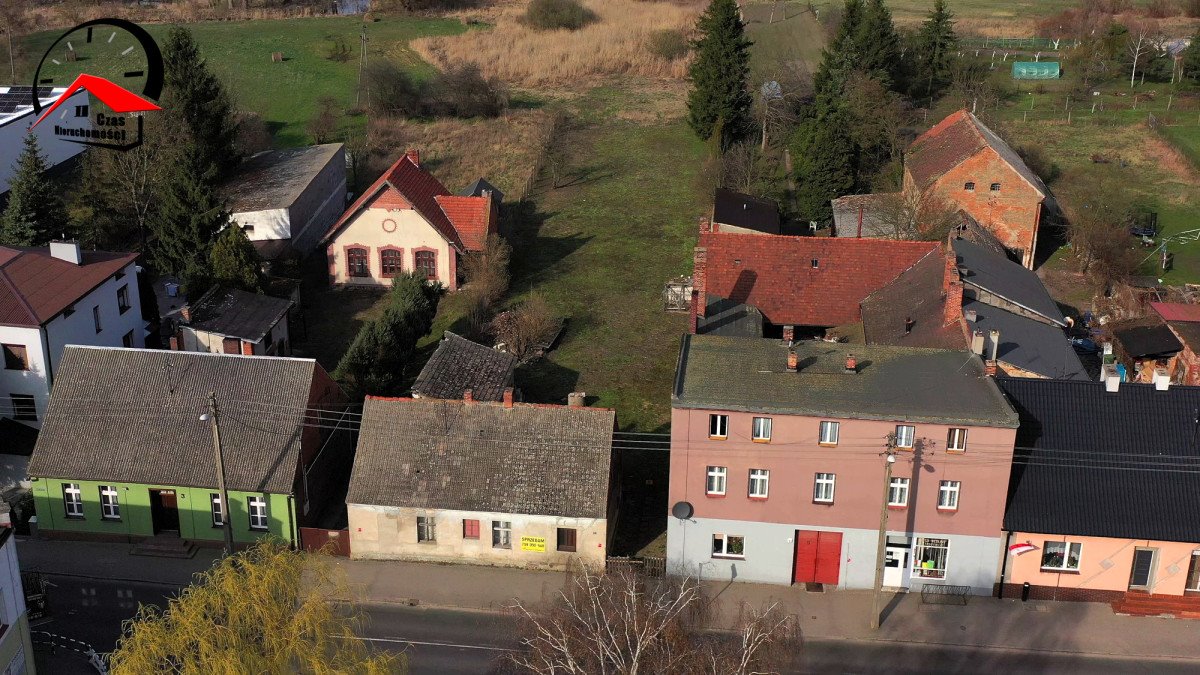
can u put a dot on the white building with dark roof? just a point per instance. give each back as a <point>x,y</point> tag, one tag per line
<point>287,199</point>
<point>16,115</point>
<point>505,484</point>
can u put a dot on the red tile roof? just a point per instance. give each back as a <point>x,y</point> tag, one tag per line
<point>35,287</point>
<point>1177,311</point>
<point>463,221</point>
<point>951,142</point>
<point>776,275</point>
<point>471,216</point>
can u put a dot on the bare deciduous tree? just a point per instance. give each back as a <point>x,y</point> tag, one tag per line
<point>620,623</point>
<point>486,273</point>
<point>522,331</point>
<point>1098,206</point>
<point>1145,36</point>
<point>879,115</point>
<point>741,168</point>
<point>916,216</point>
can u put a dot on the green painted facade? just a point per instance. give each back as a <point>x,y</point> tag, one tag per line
<point>193,505</point>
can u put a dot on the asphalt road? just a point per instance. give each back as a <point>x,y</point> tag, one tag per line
<point>451,642</point>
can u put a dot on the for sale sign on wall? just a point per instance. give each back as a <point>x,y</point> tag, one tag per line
<point>537,544</point>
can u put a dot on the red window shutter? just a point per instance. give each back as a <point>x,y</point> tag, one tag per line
<point>829,557</point>
<point>806,556</point>
<point>470,529</point>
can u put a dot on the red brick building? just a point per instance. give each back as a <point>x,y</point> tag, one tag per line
<point>962,162</point>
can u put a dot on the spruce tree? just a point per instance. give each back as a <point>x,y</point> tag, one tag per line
<point>840,57</point>
<point>190,216</point>
<point>879,46</point>
<point>719,101</point>
<point>235,261</point>
<point>824,165</point>
<point>197,100</point>
<point>35,212</point>
<point>935,46</point>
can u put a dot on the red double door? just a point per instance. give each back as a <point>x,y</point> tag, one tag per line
<point>818,557</point>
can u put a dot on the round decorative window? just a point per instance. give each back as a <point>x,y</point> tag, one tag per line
<point>389,226</point>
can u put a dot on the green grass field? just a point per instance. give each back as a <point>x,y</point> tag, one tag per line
<point>784,34</point>
<point>286,93</point>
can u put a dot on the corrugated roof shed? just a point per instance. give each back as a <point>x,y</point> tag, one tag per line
<point>133,415</point>
<point>1104,464</point>
<point>1177,311</point>
<point>459,364</point>
<point>891,383</point>
<point>442,454</point>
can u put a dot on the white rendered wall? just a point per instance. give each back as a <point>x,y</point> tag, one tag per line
<point>55,150</point>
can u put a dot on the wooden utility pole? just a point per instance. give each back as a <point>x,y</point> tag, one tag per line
<point>362,60</point>
<point>226,510</point>
<point>881,548</point>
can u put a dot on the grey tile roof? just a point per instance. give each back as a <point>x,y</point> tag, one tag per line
<point>1148,341</point>
<point>459,364</point>
<point>1005,278</point>
<point>479,187</point>
<point>274,179</point>
<point>236,313</point>
<point>1025,343</point>
<point>442,454</point>
<point>874,222</point>
<point>745,211</point>
<point>892,383</point>
<point>916,294</point>
<point>726,317</point>
<point>133,415</point>
<point>1104,464</point>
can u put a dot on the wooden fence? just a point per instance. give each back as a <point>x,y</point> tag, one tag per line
<point>654,568</point>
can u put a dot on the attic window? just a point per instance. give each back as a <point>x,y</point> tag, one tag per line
<point>969,186</point>
<point>815,263</point>
<point>995,187</point>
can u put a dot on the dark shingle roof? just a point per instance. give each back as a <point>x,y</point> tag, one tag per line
<point>35,286</point>
<point>440,454</point>
<point>776,275</point>
<point>916,294</point>
<point>1026,343</point>
<point>1148,341</point>
<point>133,415</point>
<point>726,317</point>
<point>1105,464</point>
<point>235,313</point>
<point>1188,333</point>
<point>892,383</point>
<point>459,364</point>
<point>746,211</point>
<point>1005,278</point>
<point>479,187</point>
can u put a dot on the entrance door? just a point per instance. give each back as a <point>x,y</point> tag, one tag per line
<point>896,566</point>
<point>163,511</point>
<point>1143,568</point>
<point>818,557</point>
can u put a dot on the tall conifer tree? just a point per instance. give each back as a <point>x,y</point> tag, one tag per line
<point>936,45</point>
<point>35,212</point>
<point>719,102</point>
<point>879,46</point>
<point>190,216</point>
<point>194,96</point>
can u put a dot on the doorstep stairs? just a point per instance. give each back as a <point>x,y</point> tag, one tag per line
<point>165,546</point>
<point>1147,604</point>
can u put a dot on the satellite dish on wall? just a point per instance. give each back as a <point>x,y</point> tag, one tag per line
<point>682,510</point>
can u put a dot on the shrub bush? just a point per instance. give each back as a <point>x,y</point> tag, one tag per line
<point>558,14</point>
<point>463,91</point>
<point>668,44</point>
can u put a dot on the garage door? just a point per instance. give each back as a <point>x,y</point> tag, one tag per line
<point>818,557</point>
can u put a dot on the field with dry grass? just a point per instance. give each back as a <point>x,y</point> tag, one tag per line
<point>616,44</point>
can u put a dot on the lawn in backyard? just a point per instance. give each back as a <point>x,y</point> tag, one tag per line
<point>785,35</point>
<point>286,93</point>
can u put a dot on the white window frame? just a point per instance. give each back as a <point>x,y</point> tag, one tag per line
<point>1067,547</point>
<point>110,503</point>
<point>217,509</point>
<point>905,439</point>
<point>757,429</point>
<point>948,493</point>
<point>956,440</point>
<point>725,548</point>
<point>824,483</point>
<point>256,508</point>
<point>1194,561</point>
<point>920,545</point>
<point>759,483</point>
<point>829,432</point>
<point>718,424</point>
<point>72,500</point>
<point>898,486</point>
<point>426,529</point>
<point>717,477</point>
<point>502,534</point>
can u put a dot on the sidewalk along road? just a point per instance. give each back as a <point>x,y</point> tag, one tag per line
<point>454,642</point>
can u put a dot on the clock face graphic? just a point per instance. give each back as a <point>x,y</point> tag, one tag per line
<point>120,67</point>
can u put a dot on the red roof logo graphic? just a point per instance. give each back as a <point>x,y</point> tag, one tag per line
<point>118,99</point>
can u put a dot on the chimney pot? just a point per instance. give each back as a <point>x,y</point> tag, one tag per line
<point>971,315</point>
<point>577,399</point>
<point>413,156</point>
<point>185,313</point>
<point>66,250</point>
<point>793,362</point>
<point>468,396</point>
<point>789,334</point>
<point>989,368</point>
<point>1162,380</point>
<point>977,342</point>
<point>851,364</point>
<point>1112,378</point>
<point>995,336</point>
<point>508,397</point>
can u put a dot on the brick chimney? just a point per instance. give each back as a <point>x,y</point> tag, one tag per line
<point>508,397</point>
<point>247,348</point>
<point>789,334</point>
<point>468,396</point>
<point>706,226</point>
<point>953,288</point>
<point>793,362</point>
<point>413,156</point>
<point>185,313</point>
<point>699,282</point>
<point>851,364</point>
